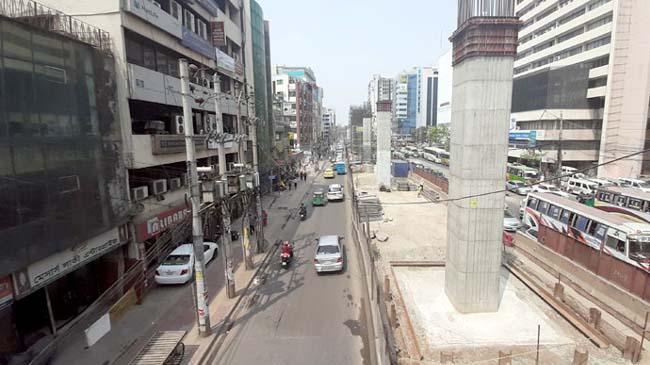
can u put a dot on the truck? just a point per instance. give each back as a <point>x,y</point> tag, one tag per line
<point>340,168</point>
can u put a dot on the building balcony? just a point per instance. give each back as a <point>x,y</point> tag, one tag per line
<point>598,72</point>
<point>156,87</point>
<point>597,92</point>
<point>162,149</point>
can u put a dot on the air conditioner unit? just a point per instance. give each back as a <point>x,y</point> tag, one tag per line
<point>178,127</point>
<point>211,123</point>
<point>158,187</point>
<point>174,183</point>
<point>139,193</point>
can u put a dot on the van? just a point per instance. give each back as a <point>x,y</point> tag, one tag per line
<point>581,186</point>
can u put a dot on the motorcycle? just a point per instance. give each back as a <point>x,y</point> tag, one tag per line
<point>303,214</point>
<point>285,259</point>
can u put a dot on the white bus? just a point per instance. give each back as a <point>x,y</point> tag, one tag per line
<point>435,154</point>
<point>621,237</point>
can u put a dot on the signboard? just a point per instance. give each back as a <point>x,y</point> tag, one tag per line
<point>153,14</point>
<point>6,291</point>
<point>218,34</point>
<point>523,138</point>
<point>194,42</point>
<point>153,226</point>
<point>42,272</point>
<point>163,144</point>
<point>224,61</point>
<point>97,330</point>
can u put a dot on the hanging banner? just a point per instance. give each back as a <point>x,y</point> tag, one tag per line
<point>218,34</point>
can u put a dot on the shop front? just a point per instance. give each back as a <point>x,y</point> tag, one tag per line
<point>50,293</point>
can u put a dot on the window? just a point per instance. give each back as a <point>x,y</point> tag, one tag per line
<point>161,62</point>
<point>149,57</point>
<point>543,207</point>
<point>581,223</point>
<point>134,53</point>
<point>279,82</point>
<point>188,20</point>
<point>634,204</point>
<point>176,10</point>
<point>203,29</point>
<point>615,244</point>
<point>554,212</point>
<point>600,232</point>
<point>620,201</point>
<point>565,217</point>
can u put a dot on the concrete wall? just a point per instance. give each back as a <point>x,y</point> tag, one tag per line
<point>628,89</point>
<point>482,91</point>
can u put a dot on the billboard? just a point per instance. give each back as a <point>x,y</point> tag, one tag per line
<point>523,138</point>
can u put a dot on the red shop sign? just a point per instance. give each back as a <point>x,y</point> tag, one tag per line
<point>153,226</point>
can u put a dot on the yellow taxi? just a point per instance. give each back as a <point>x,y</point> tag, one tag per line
<point>329,174</point>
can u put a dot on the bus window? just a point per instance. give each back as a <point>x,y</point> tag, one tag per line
<point>615,244</point>
<point>634,204</point>
<point>543,207</point>
<point>620,201</point>
<point>554,212</point>
<point>581,223</point>
<point>532,203</point>
<point>600,231</point>
<point>565,217</point>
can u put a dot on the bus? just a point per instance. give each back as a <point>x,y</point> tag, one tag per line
<point>625,201</point>
<point>569,227</point>
<point>522,173</point>
<point>412,151</point>
<point>435,154</point>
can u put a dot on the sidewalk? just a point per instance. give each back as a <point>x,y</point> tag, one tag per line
<point>131,332</point>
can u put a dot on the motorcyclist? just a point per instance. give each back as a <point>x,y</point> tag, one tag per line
<point>287,248</point>
<point>303,209</point>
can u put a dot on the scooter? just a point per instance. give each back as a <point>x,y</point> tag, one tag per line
<point>285,259</point>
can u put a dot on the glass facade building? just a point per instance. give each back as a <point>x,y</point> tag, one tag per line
<point>59,168</point>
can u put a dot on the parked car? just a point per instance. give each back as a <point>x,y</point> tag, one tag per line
<point>510,223</point>
<point>178,266</point>
<point>335,193</point>
<point>550,188</point>
<point>517,187</point>
<point>329,174</point>
<point>329,254</point>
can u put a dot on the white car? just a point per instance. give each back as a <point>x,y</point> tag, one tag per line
<point>178,266</point>
<point>329,255</point>
<point>550,188</point>
<point>335,192</point>
<point>510,223</point>
<point>517,187</point>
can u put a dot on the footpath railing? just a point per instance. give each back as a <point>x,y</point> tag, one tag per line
<point>379,330</point>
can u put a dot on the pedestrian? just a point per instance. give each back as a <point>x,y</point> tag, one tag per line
<point>420,189</point>
<point>289,184</point>
<point>295,184</point>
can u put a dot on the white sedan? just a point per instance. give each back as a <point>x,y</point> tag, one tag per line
<point>335,192</point>
<point>178,267</point>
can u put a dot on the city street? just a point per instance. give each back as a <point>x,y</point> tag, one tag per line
<point>300,317</point>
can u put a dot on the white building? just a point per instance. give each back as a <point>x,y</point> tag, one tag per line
<point>327,127</point>
<point>584,62</point>
<point>380,89</point>
<point>445,84</point>
<point>427,97</point>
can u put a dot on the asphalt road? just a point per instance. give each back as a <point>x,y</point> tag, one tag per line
<point>301,317</point>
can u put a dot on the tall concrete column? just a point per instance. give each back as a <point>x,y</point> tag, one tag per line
<point>384,117</point>
<point>484,50</point>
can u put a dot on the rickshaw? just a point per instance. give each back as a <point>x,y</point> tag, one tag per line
<point>319,198</point>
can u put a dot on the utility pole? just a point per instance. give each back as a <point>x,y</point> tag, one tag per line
<point>203,313</point>
<point>226,241</point>
<point>559,151</point>
<point>259,226</point>
<point>245,239</point>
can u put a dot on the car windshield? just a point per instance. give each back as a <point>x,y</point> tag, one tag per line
<point>174,260</point>
<point>335,189</point>
<point>327,250</point>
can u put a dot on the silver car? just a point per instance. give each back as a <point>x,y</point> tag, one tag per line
<point>518,187</point>
<point>329,255</point>
<point>510,223</point>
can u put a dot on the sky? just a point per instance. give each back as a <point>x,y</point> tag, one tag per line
<point>345,42</point>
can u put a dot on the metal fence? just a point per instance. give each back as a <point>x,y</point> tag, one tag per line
<point>40,16</point>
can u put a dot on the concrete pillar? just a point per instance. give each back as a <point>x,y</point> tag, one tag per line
<point>384,117</point>
<point>482,94</point>
<point>367,140</point>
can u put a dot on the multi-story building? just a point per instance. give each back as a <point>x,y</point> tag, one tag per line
<point>328,125</point>
<point>356,127</point>
<point>63,196</point>
<point>400,107</point>
<point>380,89</point>
<point>445,84</point>
<point>407,100</point>
<point>582,66</point>
<point>427,97</point>
<point>302,104</point>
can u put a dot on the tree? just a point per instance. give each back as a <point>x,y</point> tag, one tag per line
<point>532,157</point>
<point>439,135</point>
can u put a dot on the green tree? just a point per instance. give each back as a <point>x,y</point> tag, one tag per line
<point>439,135</point>
<point>532,157</point>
